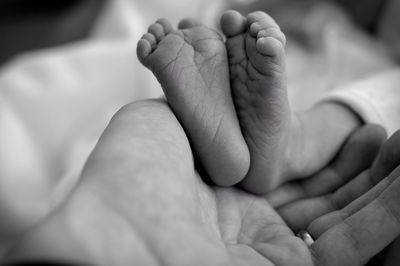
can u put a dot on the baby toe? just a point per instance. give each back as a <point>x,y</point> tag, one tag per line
<point>258,21</point>
<point>188,23</point>
<point>157,30</point>
<point>274,33</point>
<point>259,16</point>
<point>165,24</point>
<point>146,46</point>
<point>232,23</point>
<point>269,46</point>
<point>143,49</point>
<point>151,39</point>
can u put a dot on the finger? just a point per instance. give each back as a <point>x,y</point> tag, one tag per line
<point>299,215</point>
<point>358,193</point>
<point>388,158</point>
<point>356,155</point>
<point>322,224</point>
<point>286,194</point>
<point>363,234</point>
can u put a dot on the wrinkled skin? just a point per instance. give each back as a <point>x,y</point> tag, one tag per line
<point>140,202</point>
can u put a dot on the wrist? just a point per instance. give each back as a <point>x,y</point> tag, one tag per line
<point>317,135</point>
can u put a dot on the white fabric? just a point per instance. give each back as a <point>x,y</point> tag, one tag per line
<point>375,99</point>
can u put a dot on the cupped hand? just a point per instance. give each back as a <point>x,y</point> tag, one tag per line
<point>141,202</point>
<point>350,199</point>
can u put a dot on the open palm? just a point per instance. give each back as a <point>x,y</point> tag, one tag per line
<point>140,202</point>
<point>148,187</point>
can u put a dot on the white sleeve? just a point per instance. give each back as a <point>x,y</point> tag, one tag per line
<point>375,99</point>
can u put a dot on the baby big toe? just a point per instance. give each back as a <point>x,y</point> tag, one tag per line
<point>232,23</point>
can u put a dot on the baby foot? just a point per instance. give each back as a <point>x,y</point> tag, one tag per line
<point>191,65</point>
<point>256,53</point>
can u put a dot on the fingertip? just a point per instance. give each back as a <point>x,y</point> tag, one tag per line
<point>388,158</point>
<point>380,131</point>
<point>361,149</point>
<point>371,134</point>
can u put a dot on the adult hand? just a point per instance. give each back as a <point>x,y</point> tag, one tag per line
<point>331,201</point>
<point>347,177</point>
<point>141,202</point>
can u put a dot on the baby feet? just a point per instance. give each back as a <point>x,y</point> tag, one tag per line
<point>191,65</point>
<point>255,46</point>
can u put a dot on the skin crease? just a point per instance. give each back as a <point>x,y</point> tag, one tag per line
<point>140,195</point>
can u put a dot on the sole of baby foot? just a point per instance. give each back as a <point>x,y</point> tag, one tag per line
<point>191,65</point>
<point>256,53</point>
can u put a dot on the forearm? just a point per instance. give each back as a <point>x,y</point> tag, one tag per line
<point>318,134</point>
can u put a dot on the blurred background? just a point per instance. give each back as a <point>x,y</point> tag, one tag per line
<point>26,25</point>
